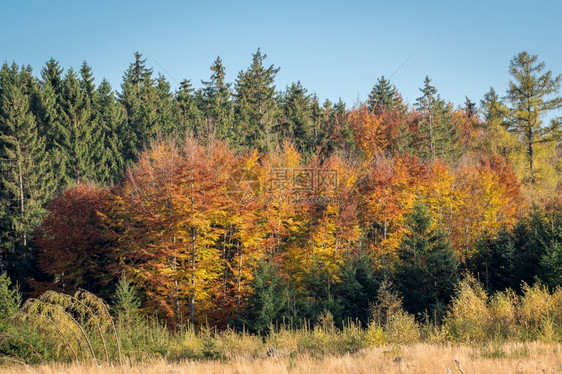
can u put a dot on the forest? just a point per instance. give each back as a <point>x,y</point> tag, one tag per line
<point>243,206</point>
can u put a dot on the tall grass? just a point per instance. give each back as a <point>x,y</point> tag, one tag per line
<point>80,328</point>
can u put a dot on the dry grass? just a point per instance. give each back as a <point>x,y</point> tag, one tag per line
<point>419,358</point>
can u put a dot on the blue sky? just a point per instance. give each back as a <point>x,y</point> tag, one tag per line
<point>335,48</point>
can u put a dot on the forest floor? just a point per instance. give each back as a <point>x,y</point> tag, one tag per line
<point>418,358</point>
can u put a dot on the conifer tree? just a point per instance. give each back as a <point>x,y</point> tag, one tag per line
<point>384,96</point>
<point>51,120</point>
<point>427,272</point>
<point>188,111</point>
<point>437,134</point>
<point>137,97</point>
<point>532,94</point>
<point>166,118</point>
<point>80,131</point>
<point>498,139</point>
<point>297,120</point>
<point>255,105</point>
<point>26,182</point>
<point>218,104</point>
<point>112,120</point>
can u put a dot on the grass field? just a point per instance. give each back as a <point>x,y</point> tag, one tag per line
<point>419,358</point>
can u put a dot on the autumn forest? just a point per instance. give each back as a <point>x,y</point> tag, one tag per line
<point>243,205</point>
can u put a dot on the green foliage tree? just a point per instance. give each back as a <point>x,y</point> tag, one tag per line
<point>427,272</point>
<point>384,97</point>
<point>188,111</point>
<point>81,142</point>
<point>358,286</point>
<point>218,104</point>
<point>112,122</point>
<point>532,94</point>
<point>297,122</point>
<point>255,105</point>
<point>138,98</point>
<point>26,179</point>
<point>436,135</point>
<point>10,299</point>
<point>51,124</point>
<point>126,302</point>
<point>268,301</point>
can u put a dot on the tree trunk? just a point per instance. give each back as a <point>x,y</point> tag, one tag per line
<point>239,281</point>
<point>193,237</point>
<point>22,204</point>
<point>531,154</point>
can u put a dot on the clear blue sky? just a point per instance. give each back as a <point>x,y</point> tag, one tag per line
<point>335,48</point>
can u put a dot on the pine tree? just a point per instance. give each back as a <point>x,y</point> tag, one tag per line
<point>438,135</point>
<point>532,95</point>
<point>51,116</point>
<point>384,97</point>
<point>297,122</point>
<point>112,120</point>
<point>267,303</point>
<point>255,105</point>
<point>188,110</point>
<point>26,182</point>
<point>82,136</point>
<point>166,118</point>
<point>427,272</point>
<point>497,140</point>
<point>218,105</point>
<point>138,99</point>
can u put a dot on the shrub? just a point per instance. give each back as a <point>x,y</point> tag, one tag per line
<point>468,313</point>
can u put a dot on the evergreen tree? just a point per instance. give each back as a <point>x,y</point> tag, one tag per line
<point>384,97</point>
<point>437,134</point>
<point>112,121</point>
<point>427,272</point>
<point>138,99</point>
<point>218,105</point>
<point>81,136</point>
<point>358,286</point>
<point>255,105</point>
<point>26,182</point>
<point>10,300</point>
<point>268,301</point>
<point>532,95</point>
<point>166,118</point>
<point>51,116</point>
<point>188,110</point>
<point>297,122</point>
<point>498,139</point>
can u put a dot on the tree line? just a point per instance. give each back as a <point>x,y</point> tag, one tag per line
<point>98,184</point>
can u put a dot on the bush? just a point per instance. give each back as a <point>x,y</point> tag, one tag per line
<point>468,313</point>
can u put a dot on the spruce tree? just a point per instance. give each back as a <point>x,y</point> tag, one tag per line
<point>51,116</point>
<point>166,118</point>
<point>81,133</point>
<point>188,111</point>
<point>438,136</point>
<point>267,303</point>
<point>498,139</point>
<point>218,106</point>
<point>532,94</point>
<point>427,271</point>
<point>255,105</point>
<point>297,123</point>
<point>384,97</point>
<point>26,182</point>
<point>112,120</point>
<point>138,98</point>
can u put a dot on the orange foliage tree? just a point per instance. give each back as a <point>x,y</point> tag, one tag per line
<point>72,246</point>
<point>168,216</point>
